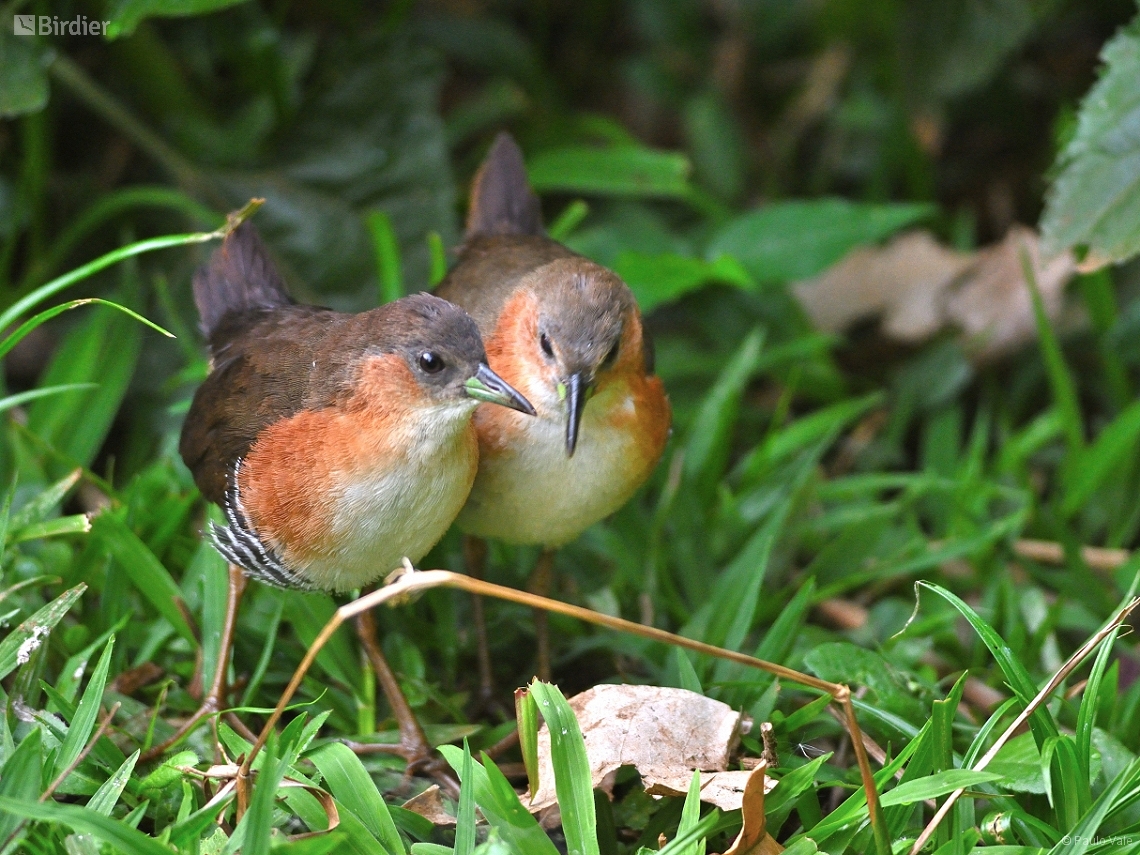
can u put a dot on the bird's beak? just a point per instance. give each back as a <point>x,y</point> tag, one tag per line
<point>577,390</point>
<point>488,386</point>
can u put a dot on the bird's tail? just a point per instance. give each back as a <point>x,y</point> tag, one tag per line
<point>502,202</point>
<point>239,277</point>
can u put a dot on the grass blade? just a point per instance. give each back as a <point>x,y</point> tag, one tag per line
<point>86,714</point>
<point>352,786</point>
<point>465,821</point>
<point>571,770</point>
<point>16,646</point>
<point>13,338</point>
<point>1040,721</point>
<point>147,573</point>
<point>115,832</point>
<point>500,805</point>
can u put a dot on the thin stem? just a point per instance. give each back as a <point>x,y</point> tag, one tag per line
<point>1041,697</point>
<point>409,583</point>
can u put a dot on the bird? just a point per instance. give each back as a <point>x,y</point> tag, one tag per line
<point>337,445</point>
<point>568,334</point>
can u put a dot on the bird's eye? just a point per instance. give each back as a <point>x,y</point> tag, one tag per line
<point>544,343</point>
<point>430,362</point>
<point>611,357</point>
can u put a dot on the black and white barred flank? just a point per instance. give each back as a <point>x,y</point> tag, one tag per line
<point>240,545</point>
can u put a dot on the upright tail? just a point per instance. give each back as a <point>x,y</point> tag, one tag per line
<point>502,202</point>
<point>239,277</point>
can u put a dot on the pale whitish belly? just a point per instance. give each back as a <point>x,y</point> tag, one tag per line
<point>383,518</point>
<point>534,493</point>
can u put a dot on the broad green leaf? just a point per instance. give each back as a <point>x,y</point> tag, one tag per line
<point>23,68</point>
<point>126,15</point>
<point>18,644</point>
<point>1095,200</point>
<point>624,170</point>
<point>794,240</point>
<point>662,278</point>
<point>572,781</point>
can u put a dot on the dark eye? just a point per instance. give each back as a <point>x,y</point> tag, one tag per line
<point>544,343</point>
<point>611,357</point>
<point>430,362</point>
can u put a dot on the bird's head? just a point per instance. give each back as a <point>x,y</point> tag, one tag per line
<point>435,348</point>
<point>579,331</point>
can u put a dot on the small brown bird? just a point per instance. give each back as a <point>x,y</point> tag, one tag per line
<point>337,444</point>
<point>568,334</point>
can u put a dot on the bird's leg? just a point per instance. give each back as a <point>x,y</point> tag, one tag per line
<point>414,746</point>
<point>540,582</point>
<point>475,559</point>
<point>215,698</point>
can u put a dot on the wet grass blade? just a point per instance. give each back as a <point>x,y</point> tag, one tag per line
<point>571,770</point>
<point>500,805</point>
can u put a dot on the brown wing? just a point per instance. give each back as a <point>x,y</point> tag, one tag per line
<point>267,366</point>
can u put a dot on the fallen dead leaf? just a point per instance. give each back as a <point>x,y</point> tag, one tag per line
<point>902,280</point>
<point>992,304</point>
<point>920,287</point>
<point>725,790</point>
<point>429,805</point>
<point>664,733</point>
<point>753,838</point>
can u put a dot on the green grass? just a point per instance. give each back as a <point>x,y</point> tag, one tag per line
<point>808,476</point>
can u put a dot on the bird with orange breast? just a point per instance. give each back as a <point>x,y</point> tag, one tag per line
<point>336,444</point>
<point>566,332</point>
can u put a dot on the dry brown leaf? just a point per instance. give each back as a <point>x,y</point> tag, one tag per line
<point>992,304</point>
<point>429,805</point>
<point>725,790</point>
<point>662,732</point>
<point>753,838</point>
<point>920,287</point>
<point>903,280</point>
